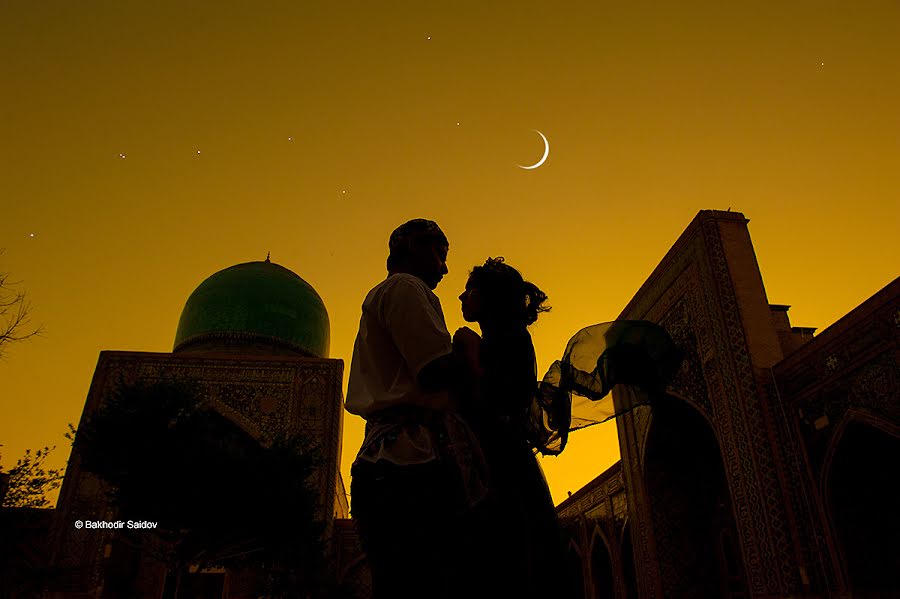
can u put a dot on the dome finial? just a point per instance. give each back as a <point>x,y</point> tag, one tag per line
<point>267,256</point>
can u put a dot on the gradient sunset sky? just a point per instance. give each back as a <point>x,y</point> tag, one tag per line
<point>146,145</point>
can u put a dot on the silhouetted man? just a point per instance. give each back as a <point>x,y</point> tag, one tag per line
<point>418,473</point>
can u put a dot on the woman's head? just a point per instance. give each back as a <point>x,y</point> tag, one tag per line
<point>497,294</point>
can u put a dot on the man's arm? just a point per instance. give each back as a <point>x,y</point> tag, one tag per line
<point>419,332</point>
<point>455,368</point>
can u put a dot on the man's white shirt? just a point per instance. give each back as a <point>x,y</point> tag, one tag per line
<point>402,329</point>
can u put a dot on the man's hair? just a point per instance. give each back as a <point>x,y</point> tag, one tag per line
<point>410,233</point>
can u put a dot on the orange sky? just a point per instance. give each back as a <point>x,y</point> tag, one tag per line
<point>321,126</point>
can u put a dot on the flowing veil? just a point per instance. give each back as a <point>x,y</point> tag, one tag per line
<point>575,392</point>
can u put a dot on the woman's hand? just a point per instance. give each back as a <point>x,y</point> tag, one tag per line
<point>466,337</point>
<point>466,344</point>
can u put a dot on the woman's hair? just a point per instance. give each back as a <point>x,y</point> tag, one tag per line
<point>505,295</point>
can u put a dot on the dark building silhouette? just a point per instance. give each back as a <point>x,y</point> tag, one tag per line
<point>254,338</point>
<point>770,469</point>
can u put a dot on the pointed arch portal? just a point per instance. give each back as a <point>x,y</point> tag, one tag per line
<point>693,523</point>
<point>862,495</point>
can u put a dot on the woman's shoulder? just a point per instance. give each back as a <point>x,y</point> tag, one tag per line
<point>511,351</point>
<point>509,340</point>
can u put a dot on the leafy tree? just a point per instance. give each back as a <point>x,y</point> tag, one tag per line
<point>24,570</point>
<point>14,314</point>
<point>219,496</point>
<point>29,482</point>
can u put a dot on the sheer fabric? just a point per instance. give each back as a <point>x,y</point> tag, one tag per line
<point>575,392</point>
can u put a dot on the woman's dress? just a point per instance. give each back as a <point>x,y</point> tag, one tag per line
<point>514,417</point>
<point>525,543</point>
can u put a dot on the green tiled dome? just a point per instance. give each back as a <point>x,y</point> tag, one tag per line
<point>256,302</point>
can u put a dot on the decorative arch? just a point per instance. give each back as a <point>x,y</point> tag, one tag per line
<point>852,415</point>
<point>575,568</point>
<point>860,493</point>
<point>648,421</point>
<point>602,570</point>
<point>239,420</point>
<point>690,503</point>
<point>698,410</point>
<point>598,534</point>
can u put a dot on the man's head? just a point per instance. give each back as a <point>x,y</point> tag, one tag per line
<point>419,247</point>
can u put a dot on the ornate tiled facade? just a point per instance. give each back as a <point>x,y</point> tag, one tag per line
<point>757,409</point>
<point>264,395</point>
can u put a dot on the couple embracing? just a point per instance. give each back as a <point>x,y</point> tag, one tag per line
<point>447,493</point>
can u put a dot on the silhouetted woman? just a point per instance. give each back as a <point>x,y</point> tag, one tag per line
<point>524,547</point>
<point>514,416</point>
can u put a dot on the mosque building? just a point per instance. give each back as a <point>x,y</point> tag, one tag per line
<point>769,469</point>
<point>254,339</point>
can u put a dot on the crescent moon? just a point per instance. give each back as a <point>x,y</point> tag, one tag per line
<point>543,158</point>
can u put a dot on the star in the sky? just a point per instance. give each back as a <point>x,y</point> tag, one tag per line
<point>290,139</point>
<point>198,151</point>
<point>121,155</point>
<point>428,38</point>
<point>31,234</point>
